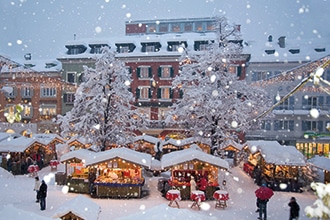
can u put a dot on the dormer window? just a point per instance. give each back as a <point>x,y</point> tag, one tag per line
<point>125,47</point>
<point>322,49</point>
<point>174,45</point>
<point>294,51</point>
<point>50,65</point>
<point>76,49</point>
<point>97,48</point>
<point>150,46</point>
<point>269,52</point>
<point>201,45</point>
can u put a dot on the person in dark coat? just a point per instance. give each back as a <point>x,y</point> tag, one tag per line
<point>91,179</point>
<point>294,209</point>
<point>43,195</point>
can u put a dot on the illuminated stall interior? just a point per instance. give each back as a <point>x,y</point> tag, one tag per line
<point>118,170</point>
<point>181,173</point>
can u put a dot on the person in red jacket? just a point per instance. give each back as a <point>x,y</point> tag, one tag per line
<point>203,184</point>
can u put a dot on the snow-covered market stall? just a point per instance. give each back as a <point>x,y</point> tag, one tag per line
<point>195,163</point>
<point>76,173</point>
<point>281,167</point>
<point>20,152</point>
<point>76,208</point>
<point>322,165</point>
<point>119,172</point>
<point>146,144</point>
<point>170,144</point>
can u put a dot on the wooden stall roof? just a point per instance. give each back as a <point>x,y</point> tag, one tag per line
<point>80,140</point>
<point>186,141</point>
<point>177,157</point>
<point>253,146</point>
<point>230,145</point>
<point>49,138</point>
<point>320,162</point>
<point>278,154</point>
<point>81,154</point>
<point>124,153</point>
<point>147,138</point>
<point>19,144</point>
<point>77,206</point>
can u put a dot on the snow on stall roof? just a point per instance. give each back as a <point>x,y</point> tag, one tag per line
<point>321,162</point>
<point>19,144</point>
<point>147,138</point>
<point>81,154</point>
<point>189,154</point>
<point>5,135</point>
<point>133,156</point>
<point>47,138</point>
<point>80,206</point>
<point>11,212</point>
<point>274,153</point>
<point>80,139</point>
<point>230,142</point>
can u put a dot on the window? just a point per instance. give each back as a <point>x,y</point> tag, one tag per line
<point>287,104</point>
<point>164,93</point>
<point>71,77</point>
<point>123,49</point>
<point>144,93</point>
<point>260,75</point>
<point>150,48</point>
<point>69,97</point>
<point>198,26</point>
<point>144,72</point>
<point>312,126</point>
<point>209,26</point>
<point>176,27</point>
<point>27,92</point>
<point>47,91</point>
<point>152,28</point>
<point>162,113</point>
<point>47,110</point>
<point>163,28</point>
<point>283,125</point>
<point>203,47</point>
<point>312,102</point>
<point>266,125</point>
<point>144,112</point>
<point>165,72</point>
<point>27,111</point>
<point>188,27</point>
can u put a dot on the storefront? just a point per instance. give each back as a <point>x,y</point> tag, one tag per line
<point>319,146</point>
<point>281,167</point>
<point>20,152</point>
<point>76,173</point>
<point>119,173</point>
<point>189,163</point>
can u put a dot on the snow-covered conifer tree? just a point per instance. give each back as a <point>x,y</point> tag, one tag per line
<point>102,110</point>
<point>215,103</point>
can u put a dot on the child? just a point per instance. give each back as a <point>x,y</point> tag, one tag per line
<point>294,209</point>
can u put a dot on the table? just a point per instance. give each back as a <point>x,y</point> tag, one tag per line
<point>221,197</point>
<point>197,196</point>
<point>174,196</point>
<point>33,170</point>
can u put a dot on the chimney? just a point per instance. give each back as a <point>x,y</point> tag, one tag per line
<point>27,56</point>
<point>281,41</point>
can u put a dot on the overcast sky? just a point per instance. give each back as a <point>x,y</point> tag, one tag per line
<point>43,27</point>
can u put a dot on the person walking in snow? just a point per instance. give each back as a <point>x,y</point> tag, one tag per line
<point>43,195</point>
<point>294,209</point>
<point>36,187</point>
<point>192,184</point>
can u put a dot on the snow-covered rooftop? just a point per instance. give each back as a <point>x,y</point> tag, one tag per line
<point>19,144</point>
<point>321,162</point>
<point>81,154</point>
<point>274,153</point>
<point>189,154</point>
<point>139,158</point>
<point>80,206</point>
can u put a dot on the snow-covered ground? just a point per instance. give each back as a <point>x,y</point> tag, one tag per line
<point>17,192</point>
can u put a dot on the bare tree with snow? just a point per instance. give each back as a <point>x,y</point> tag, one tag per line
<point>215,103</point>
<point>102,110</point>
